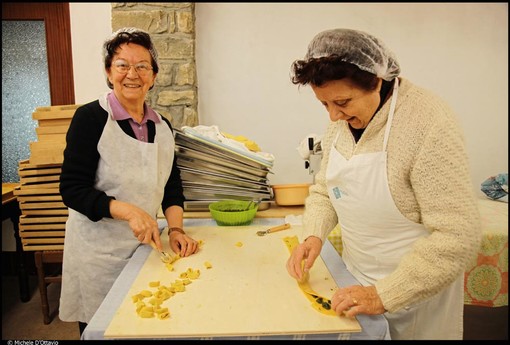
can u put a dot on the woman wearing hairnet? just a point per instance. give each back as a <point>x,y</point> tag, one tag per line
<point>395,177</point>
<point>119,168</point>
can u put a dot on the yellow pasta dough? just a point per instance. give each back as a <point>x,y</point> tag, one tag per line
<point>164,315</point>
<point>146,314</point>
<point>164,292</point>
<point>320,303</point>
<point>146,293</point>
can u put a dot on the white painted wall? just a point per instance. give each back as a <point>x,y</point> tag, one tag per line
<point>90,26</point>
<point>244,52</point>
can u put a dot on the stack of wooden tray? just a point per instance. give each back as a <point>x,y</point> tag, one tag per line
<point>43,214</point>
<point>53,123</point>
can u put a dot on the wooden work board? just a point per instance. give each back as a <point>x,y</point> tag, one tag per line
<point>247,292</point>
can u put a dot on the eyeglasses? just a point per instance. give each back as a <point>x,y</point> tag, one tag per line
<point>142,68</point>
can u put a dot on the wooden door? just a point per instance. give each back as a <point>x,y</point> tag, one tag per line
<point>58,39</point>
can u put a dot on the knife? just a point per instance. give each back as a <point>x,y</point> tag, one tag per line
<point>273,229</point>
<point>164,256</point>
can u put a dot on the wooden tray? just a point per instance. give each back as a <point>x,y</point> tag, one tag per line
<point>247,292</point>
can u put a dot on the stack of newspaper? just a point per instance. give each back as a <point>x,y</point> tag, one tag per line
<point>213,170</point>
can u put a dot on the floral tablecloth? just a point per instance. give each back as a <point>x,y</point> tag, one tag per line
<point>486,279</point>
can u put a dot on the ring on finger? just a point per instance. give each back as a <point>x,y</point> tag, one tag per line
<point>354,301</point>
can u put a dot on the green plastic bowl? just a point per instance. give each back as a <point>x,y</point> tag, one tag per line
<point>233,212</point>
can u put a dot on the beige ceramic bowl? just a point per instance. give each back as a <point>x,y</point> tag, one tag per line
<point>290,194</point>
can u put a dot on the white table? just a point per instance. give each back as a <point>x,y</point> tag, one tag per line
<point>374,327</point>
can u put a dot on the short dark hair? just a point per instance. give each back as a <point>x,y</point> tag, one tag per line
<point>318,71</point>
<point>138,37</point>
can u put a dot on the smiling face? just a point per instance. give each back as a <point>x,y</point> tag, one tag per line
<point>345,101</point>
<point>131,87</point>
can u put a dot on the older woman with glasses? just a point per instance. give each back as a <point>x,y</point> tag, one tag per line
<point>395,177</point>
<point>119,169</point>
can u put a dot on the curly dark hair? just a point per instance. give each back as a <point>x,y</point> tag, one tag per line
<point>138,37</point>
<point>318,71</point>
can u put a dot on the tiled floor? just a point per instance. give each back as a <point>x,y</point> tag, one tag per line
<point>24,321</point>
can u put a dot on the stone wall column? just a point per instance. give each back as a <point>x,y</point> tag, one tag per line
<point>172,28</point>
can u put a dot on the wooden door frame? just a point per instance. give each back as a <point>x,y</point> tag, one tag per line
<point>57,22</point>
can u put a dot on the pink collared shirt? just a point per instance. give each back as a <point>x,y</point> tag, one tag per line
<point>119,113</point>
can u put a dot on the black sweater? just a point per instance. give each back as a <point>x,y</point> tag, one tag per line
<point>81,159</point>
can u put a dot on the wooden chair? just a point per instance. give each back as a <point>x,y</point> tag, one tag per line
<point>46,276</point>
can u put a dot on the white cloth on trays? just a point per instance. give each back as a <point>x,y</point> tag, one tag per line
<point>213,133</point>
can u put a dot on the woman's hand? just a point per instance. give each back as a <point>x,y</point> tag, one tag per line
<point>144,226</point>
<point>353,300</point>
<point>182,244</point>
<point>307,251</point>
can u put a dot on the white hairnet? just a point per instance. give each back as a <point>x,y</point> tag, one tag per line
<point>358,48</point>
<point>130,30</point>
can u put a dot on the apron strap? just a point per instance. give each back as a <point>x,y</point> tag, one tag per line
<point>390,116</point>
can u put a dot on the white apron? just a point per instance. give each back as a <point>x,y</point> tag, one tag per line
<point>376,236</point>
<point>96,252</point>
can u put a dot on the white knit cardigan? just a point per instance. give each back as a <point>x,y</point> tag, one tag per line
<point>429,179</point>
